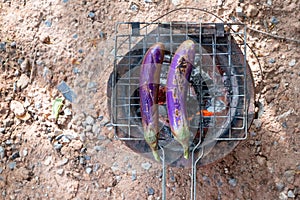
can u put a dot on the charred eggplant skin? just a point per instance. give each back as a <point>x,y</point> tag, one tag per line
<point>148,90</point>
<point>177,88</point>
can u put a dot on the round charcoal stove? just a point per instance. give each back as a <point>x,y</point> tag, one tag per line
<point>220,102</point>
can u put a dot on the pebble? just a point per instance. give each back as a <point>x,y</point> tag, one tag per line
<point>24,152</point>
<point>12,165</point>
<point>63,162</point>
<point>92,85</point>
<point>239,11</point>
<point>1,170</point>
<point>262,161</point>
<point>13,44</point>
<point>96,167</point>
<point>90,120</point>
<point>2,130</point>
<point>99,148</point>
<point>60,171</point>
<point>48,23</point>
<point>57,145</point>
<point>2,46</point>
<point>274,20</point>
<point>17,108</point>
<point>146,165</point>
<point>257,123</point>
<point>289,175</point>
<point>88,128</point>
<point>282,196</point>
<point>2,152</point>
<point>148,1</point>
<point>25,65</point>
<point>23,81</point>
<point>15,155</point>
<point>134,7</point>
<point>279,186</point>
<point>67,112</point>
<point>150,191</point>
<point>252,11</point>
<point>96,129</point>
<point>91,14</point>
<point>133,175</point>
<point>269,2</point>
<point>65,139</point>
<point>48,160</point>
<point>88,170</point>
<point>176,2</point>
<point>272,61</point>
<point>292,63</point>
<point>232,182</point>
<point>291,194</point>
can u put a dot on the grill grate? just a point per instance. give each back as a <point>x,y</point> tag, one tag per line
<point>218,98</point>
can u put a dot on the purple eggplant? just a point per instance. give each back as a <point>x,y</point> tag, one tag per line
<point>149,86</point>
<point>177,88</point>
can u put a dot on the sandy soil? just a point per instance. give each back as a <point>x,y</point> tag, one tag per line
<point>43,43</point>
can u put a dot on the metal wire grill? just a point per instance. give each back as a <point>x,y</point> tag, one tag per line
<point>218,98</point>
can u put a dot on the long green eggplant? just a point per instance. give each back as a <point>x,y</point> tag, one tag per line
<point>177,88</point>
<point>149,86</point>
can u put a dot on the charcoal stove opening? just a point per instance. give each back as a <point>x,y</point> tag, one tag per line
<point>221,90</point>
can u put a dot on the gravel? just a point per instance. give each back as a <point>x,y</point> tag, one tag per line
<point>63,162</point>
<point>23,81</point>
<point>291,194</point>
<point>150,191</point>
<point>12,165</point>
<point>289,175</point>
<point>280,186</point>
<point>60,171</point>
<point>146,165</point>
<point>133,175</point>
<point>232,182</point>
<point>88,170</point>
<point>90,120</point>
<point>292,63</point>
<point>2,152</point>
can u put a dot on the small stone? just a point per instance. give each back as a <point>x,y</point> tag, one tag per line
<point>133,175</point>
<point>88,170</point>
<point>150,191</point>
<point>99,148</point>
<point>146,165</point>
<point>25,65</point>
<point>65,139</point>
<point>24,152</point>
<point>291,194</point>
<point>91,14</point>
<point>17,108</point>
<point>63,162</point>
<point>232,182</point>
<point>48,160</point>
<point>57,145</point>
<point>269,2</point>
<point>239,11</point>
<point>2,129</point>
<point>15,155</point>
<point>292,63</point>
<point>1,170</point>
<point>262,161</point>
<point>257,123</point>
<point>92,85</point>
<point>60,171</point>
<point>13,44</point>
<point>2,46</point>
<point>96,167</point>
<point>23,81</point>
<point>88,128</point>
<point>176,2</point>
<point>12,165</point>
<point>114,167</point>
<point>290,176</point>
<point>100,118</point>
<point>134,7</point>
<point>90,120</point>
<point>274,20</point>
<point>67,112</point>
<point>2,152</point>
<point>279,186</point>
<point>282,196</point>
<point>252,11</point>
<point>96,129</point>
<point>48,23</point>
<point>272,61</point>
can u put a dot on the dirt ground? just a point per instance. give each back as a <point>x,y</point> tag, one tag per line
<point>43,43</point>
